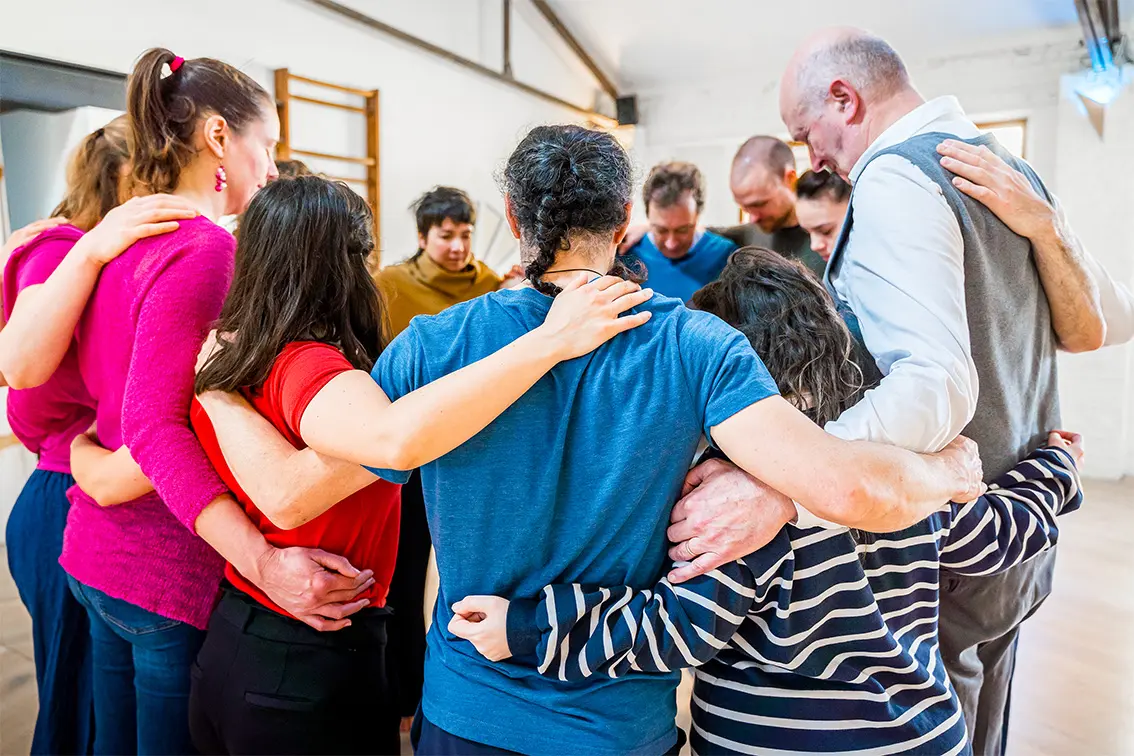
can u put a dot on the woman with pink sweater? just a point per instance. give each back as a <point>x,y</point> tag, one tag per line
<point>204,132</point>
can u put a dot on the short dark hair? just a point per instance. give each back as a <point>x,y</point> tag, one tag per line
<point>441,202</point>
<point>815,184</point>
<point>792,323</point>
<point>668,181</point>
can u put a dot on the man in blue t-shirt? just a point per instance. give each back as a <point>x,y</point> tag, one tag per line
<point>679,256</point>
<point>567,485</point>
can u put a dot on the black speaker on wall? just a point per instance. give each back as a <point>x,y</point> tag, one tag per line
<point>627,110</point>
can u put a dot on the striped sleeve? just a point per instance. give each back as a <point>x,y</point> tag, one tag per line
<point>612,631</point>
<point>1015,520</point>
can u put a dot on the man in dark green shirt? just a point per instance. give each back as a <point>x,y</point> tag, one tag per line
<point>763,184</point>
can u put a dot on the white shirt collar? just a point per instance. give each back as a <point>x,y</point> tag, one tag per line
<point>941,114</point>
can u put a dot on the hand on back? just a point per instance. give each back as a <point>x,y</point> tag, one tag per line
<point>586,314</point>
<point>22,236</point>
<point>135,219</point>
<point>483,621</point>
<point>314,586</point>
<point>988,179</point>
<point>724,514</point>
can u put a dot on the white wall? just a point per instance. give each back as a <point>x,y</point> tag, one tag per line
<point>1003,77</point>
<point>439,123</point>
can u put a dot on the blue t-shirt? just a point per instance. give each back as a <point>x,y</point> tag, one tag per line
<point>573,483</point>
<point>681,278</point>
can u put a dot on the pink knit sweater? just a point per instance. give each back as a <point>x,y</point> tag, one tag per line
<point>138,342</point>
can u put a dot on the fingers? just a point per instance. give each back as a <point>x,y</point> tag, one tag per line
<point>680,531</point>
<point>703,472</point>
<point>165,213</point>
<point>154,229</point>
<point>607,282</point>
<point>687,551</point>
<point>337,611</point>
<point>701,565</point>
<point>340,595</point>
<point>575,281</point>
<point>461,627</point>
<point>321,623</point>
<point>630,322</point>
<point>335,563</point>
<point>960,151</point>
<point>470,604</point>
<point>680,511</point>
<point>979,193</point>
<point>977,173</point>
<point>330,587</point>
<point>632,299</point>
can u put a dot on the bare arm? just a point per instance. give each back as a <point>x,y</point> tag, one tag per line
<point>43,321</point>
<point>352,422</point>
<point>727,512</point>
<point>110,478</point>
<point>1064,267</point>
<point>289,486</point>
<point>859,484</point>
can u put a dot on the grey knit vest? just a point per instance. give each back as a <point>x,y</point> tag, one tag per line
<point>1013,345</point>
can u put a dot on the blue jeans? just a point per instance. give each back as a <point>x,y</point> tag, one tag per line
<point>60,629</point>
<point>141,676</point>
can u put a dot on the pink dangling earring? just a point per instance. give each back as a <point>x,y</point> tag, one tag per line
<point>222,179</point>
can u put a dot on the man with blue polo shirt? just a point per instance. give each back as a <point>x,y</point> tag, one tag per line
<point>678,255</point>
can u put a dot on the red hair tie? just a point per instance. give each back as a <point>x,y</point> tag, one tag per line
<point>175,63</point>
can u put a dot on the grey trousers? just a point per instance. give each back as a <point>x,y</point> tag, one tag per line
<point>979,625</point>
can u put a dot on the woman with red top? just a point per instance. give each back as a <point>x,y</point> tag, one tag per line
<point>48,406</point>
<point>306,323</point>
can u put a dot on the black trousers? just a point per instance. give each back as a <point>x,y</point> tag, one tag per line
<point>405,651</point>
<point>264,683</point>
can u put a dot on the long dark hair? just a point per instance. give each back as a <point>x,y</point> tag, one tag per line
<point>95,181</point>
<point>300,276</point>
<point>792,324</point>
<point>564,182</point>
<point>164,110</point>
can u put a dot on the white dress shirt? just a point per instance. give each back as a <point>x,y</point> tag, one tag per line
<point>903,275</point>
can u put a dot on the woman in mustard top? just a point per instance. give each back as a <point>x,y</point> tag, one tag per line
<point>443,273</point>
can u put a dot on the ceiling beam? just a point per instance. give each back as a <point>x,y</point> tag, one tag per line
<point>440,52</point>
<point>565,33</point>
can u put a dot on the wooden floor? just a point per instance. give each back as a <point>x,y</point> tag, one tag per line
<point>1074,692</point>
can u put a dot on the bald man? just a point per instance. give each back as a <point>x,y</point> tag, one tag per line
<point>962,312</point>
<point>762,181</point>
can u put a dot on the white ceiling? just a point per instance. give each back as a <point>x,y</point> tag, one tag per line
<point>646,44</point>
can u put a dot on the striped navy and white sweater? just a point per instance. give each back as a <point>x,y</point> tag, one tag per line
<point>823,641</point>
